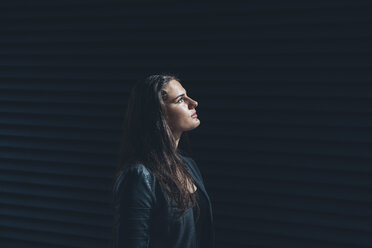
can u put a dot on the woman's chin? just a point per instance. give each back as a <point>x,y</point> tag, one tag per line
<point>197,123</point>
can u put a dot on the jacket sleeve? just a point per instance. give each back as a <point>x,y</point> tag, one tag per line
<point>133,203</point>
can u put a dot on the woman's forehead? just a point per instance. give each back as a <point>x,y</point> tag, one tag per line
<point>174,88</point>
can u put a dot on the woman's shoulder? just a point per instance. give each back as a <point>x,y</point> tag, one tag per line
<point>136,169</point>
<point>134,172</point>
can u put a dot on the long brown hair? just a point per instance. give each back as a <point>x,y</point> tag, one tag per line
<point>148,139</point>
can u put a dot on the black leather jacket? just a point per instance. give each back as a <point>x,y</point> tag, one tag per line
<point>143,213</point>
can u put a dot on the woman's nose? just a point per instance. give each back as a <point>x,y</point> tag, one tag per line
<point>193,103</point>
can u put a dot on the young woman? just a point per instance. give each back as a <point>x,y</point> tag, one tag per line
<point>159,195</point>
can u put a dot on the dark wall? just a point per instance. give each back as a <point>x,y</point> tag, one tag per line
<point>284,92</point>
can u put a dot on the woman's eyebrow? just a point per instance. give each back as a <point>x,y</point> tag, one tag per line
<point>179,96</point>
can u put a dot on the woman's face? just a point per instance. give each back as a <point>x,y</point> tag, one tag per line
<point>180,109</point>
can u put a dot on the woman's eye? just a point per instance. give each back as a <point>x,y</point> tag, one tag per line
<point>181,99</point>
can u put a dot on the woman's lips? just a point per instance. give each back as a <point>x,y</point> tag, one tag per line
<point>194,115</point>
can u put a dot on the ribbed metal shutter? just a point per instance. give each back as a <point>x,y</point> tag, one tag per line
<point>284,92</point>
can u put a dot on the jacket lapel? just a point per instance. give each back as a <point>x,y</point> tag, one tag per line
<point>196,178</point>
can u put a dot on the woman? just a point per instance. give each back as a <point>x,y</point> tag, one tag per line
<point>159,195</point>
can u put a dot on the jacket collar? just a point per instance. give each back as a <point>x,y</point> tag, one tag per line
<point>195,175</point>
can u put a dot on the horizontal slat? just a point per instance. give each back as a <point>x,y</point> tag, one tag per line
<point>75,147</point>
<point>264,62</point>
<point>289,147</point>
<point>313,204</point>
<point>31,84</point>
<point>293,217</point>
<point>287,236</point>
<point>255,160</point>
<point>291,132</point>
<point>66,193</point>
<point>54,156</point>
<point>298,188</point>
<point>274,117</point>
<point>61,133</point>
<point>16,243</point>
<point>51,227</point>
<point>240,40</point>
<point>293,175</point>
<point>337,235</point>
<point>57,121</point>
<point>94,220</point>
<point>311,74</point>
<point>74,206</point>
<point>64,169</point>
<point>327,48</point>
<point>68,182</point>
<point>96,99</point>
<point>49,238</point>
